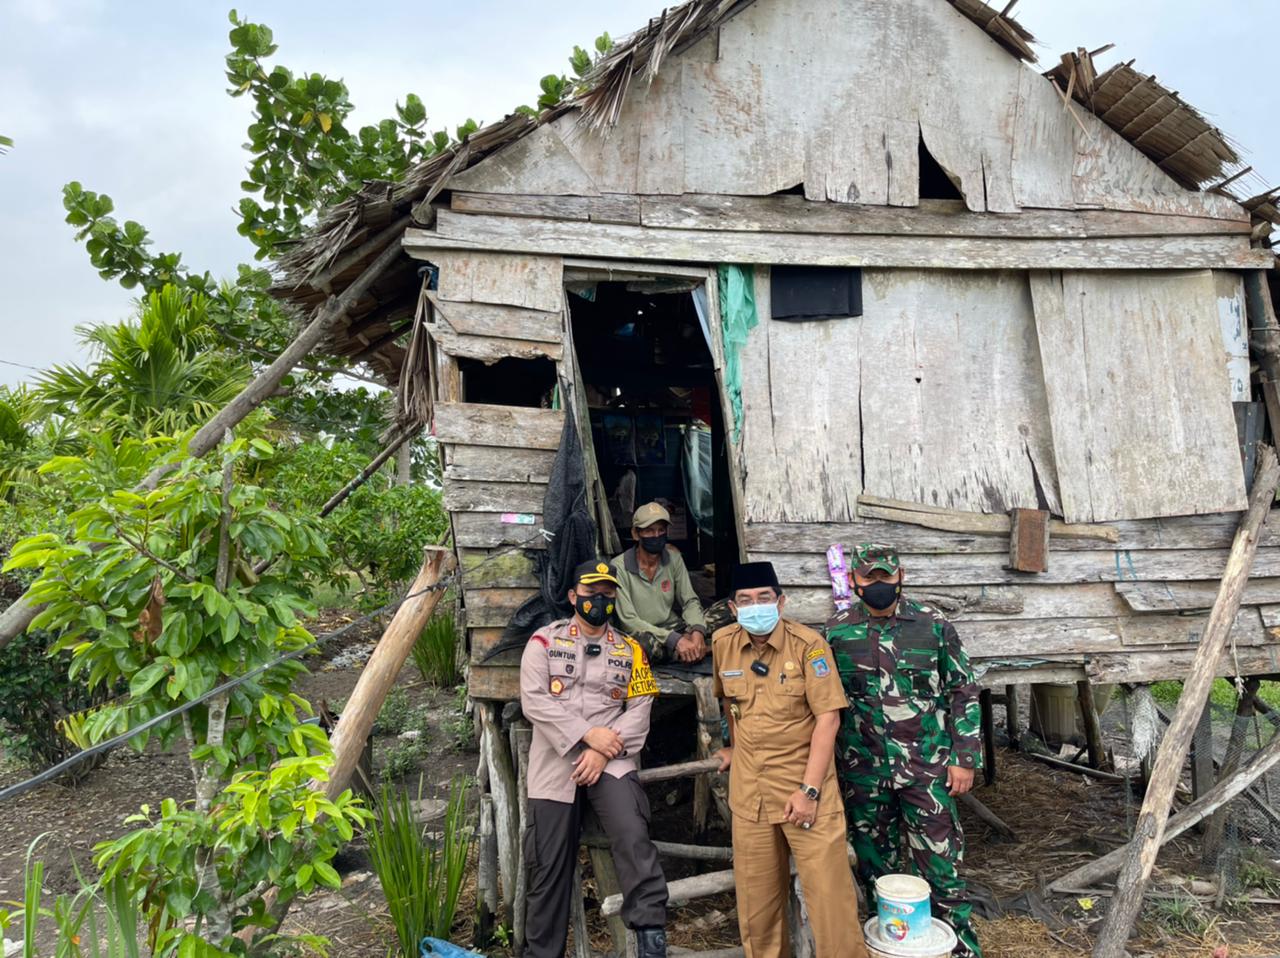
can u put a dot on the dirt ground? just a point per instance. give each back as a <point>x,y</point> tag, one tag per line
<point>1061,819</point>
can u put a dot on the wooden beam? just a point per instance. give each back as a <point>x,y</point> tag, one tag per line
<point>1141,853</point>
<point>1092,726</point>
<point>384,665</point>
<point>459,231</point>
<point>795,214</point>
<point>664,773</point>
<point>478,424</point>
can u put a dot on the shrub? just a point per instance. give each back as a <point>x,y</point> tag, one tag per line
<point>435,654</point>
<point>421,876</point>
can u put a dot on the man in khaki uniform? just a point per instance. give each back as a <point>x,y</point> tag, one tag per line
<point>783,697</point>
<point>656,602</point>
<point>588,691</point>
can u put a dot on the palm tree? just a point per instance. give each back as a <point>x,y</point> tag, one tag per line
<point>28,436</point>
<point>164,372</point>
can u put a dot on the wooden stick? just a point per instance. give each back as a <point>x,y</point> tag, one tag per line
<point>374,465</point>
<point>17,617</point>
<point>486,873</point>
<point>986,815</point>
<point>1218,796</point>
<point>380,672</point>
<point>521,740</point>
<point>578,917</point>
<point>1092,726</point>
<point>704,853</point>
<point>1141,853</point>
<point>680,770</point>
<point>1072,767</point>
<point>506,808</point>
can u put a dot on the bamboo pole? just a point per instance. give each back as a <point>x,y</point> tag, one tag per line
<point>1262,762</point>
<point>375,464</point>
<point>1140,855</point>
<point>680,770</point>
<point>384,665</point>
<point>18,617</point>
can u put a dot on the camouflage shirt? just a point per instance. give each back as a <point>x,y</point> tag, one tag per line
<point>913,706</point>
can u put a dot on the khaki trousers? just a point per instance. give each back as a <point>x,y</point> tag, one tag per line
<point>762,878</point>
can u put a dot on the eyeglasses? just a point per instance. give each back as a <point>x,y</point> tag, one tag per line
<point>747,601</point>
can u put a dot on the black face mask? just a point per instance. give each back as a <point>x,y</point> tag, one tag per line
<point>594,609</point>
<point>879,595</point>
<point>654,544</point>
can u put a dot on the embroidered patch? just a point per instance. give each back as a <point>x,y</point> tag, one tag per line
<point>666,585</point>
<point>816,654</point>
<point>616,693</point>
<point>730,673</point>
<point>820,667</point>
<point>573,631</point>
<point>566,643</point>
<point>561,654</point>
<point>557,686</point>
<point>568,669</point>
<point>620,650</point>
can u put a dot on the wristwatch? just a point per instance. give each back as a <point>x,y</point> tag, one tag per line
<point>809,792</point>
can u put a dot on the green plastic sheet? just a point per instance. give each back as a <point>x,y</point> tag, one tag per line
<point>737,318</point>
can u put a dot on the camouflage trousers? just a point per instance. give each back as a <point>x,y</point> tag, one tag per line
<point>879,814</point>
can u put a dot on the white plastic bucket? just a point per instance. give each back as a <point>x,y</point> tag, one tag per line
<point>938,942</point>
<point>902,905</point>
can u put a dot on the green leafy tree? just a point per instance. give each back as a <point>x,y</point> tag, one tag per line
<point>160,374</point>
<point>157,592</point>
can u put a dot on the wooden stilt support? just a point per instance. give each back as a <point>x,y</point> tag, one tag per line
<point>17,617</point>
<point>486,874</point>
<point>708,787</point>
<point>384,665</point>
<point>1215,827</point>
<point>1202,753</point>
<point>802,944</point>
<point>1095,871</point>
<point>988,721</point>
<point>1140,854</point>
<point>1092,724</point>
<point>665,773</point>
<point>521,740</point>
<point>578,917</point>
<point>1012,721</point>
<point>610,890</point>
<point>506,807</point>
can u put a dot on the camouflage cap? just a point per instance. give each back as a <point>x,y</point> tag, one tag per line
<point>874,555</point>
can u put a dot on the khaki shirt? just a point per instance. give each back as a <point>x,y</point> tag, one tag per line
<point>661,607</point>
<point>773,716</point>
<point>565,693</point>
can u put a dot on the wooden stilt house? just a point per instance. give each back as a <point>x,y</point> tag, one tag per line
<point>889,282</point>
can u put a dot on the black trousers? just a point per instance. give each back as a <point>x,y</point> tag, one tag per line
<point>551,851</point>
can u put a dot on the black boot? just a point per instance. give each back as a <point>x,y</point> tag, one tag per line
<point>651,942</point>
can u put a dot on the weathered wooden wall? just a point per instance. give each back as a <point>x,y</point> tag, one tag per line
<point>836,95</point>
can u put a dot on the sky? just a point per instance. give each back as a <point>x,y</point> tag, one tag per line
<point>128,97</point>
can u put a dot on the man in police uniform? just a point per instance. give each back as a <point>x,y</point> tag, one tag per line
<point>588,691</point>
<point>909,743</point>
<point>784,700</point>
<point>656,602</point>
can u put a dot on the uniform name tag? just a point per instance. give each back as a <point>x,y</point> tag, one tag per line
<point>731,673</point>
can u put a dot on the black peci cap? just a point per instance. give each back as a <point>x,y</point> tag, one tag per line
<point>756,575</point>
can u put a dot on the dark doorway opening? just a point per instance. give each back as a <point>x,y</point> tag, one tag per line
<point>656,421</point>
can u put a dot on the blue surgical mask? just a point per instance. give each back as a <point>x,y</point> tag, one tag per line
<point>758,619</point>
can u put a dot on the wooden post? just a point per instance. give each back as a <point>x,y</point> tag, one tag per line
<point>521,740</point>
<point>708,786</point>
<point>988,722</point>
<point>578,917</point>
<point>988,817</point>
<point>1148,835</point>
<point>1215,827</point>
<point>1029,540</point>
<point>802,943</point>
<point>17,617</point>
<point>609,889</point>
<point>506,807</point>
<point>1202,753</point>
<point>1092,725</point>
<point>1095,871</point>
<point>1012,720</point>
<point>380,672</point>
<point>486,874</point>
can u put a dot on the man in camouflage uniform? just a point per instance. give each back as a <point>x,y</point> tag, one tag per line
<point>909,743</point>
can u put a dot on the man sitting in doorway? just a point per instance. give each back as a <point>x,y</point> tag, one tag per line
<point>656,602</point>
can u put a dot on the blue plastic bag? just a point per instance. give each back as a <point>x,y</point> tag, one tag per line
<point>435,948</point>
